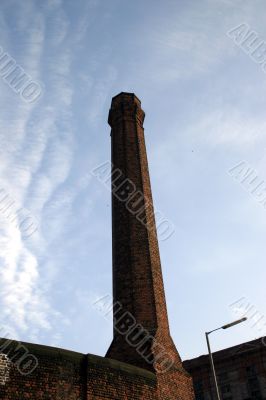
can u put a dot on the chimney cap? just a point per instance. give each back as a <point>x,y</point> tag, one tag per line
<point>125,97</point>
<point>125,101</point>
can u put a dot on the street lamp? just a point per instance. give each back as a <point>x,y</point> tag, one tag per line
<point>210,353</point>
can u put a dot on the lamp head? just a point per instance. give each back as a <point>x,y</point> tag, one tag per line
<point>234,323</point>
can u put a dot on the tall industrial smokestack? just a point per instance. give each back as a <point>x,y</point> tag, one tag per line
<point>141,329</point>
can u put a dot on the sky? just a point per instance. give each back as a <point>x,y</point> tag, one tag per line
<point>205,128</point>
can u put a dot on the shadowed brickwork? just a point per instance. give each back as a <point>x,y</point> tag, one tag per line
<point>67,375</point>
<point>60,374</point>
<point>137,275</point>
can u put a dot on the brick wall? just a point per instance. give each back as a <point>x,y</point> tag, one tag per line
<point>5,366</point>
<point>67,375</point>
<point>59,374</point>
<point>110,379</point>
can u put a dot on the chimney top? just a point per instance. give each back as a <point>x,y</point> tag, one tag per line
<point>125,97</point>
<point>125,104</point>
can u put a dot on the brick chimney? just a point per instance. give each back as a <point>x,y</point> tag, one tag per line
<point>141,330</point>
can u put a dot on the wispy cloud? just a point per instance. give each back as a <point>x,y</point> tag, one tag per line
<point>37,158</point>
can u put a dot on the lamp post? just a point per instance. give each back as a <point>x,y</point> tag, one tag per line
<point>210,353</point>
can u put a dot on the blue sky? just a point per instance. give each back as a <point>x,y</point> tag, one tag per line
<point>205,105</point>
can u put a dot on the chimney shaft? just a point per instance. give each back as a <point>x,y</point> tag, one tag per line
<point>138,291</point>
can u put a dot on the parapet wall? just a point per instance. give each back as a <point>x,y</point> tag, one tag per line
<point>36,372</point>
<point>66,375</point>
<point>111,379</point>
<point>59,374</point>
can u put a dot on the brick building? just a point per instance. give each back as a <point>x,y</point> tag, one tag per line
<point>241,372</point>
<point>142,362</point>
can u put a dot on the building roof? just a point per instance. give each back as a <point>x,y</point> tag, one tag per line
<point>243,348</point>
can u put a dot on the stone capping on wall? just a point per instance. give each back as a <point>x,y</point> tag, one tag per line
<point>121,366</point>
<point>39,350</point>
<point>45,351</point>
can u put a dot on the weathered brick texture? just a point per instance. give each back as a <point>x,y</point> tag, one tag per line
<point>59,375</point>
<point>137,275</point>
<point>67,375</point>
<point>5,366</point>
<point>110,379</point>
